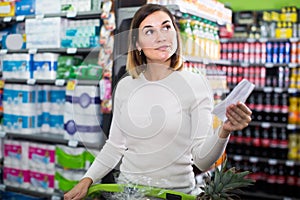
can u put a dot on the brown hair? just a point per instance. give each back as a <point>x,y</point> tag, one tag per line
<point>136,59</point>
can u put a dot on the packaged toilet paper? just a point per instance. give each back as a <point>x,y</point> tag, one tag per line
<point>83,100</point>
<point>83,128</point>
<point>16,153</point>
<point>17,66</point>
<point>42,180</point>
<point>16,177</point>
<point>41,156</point>
<point>45,66</point>
<point>66,179</point>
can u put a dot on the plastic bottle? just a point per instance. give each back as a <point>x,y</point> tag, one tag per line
<point>186,34</point>
<point>196,36</point>
<point>202,38</point>
<point>206,39</point>
<point>217,50</point>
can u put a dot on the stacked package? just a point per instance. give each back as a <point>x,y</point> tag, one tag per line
<point>29,165</point>
<point>82,117</point>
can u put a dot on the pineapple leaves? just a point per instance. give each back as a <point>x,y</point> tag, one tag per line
<point>224,183</point>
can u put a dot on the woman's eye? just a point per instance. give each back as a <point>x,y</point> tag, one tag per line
<point>165,28</point>
<point>149,32</point>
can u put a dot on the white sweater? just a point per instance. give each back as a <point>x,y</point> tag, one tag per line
<point>159,129</point>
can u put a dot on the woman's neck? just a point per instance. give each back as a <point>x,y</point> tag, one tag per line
<point>155,72</point>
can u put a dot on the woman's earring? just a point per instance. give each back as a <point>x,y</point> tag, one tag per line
<point>140,52</point>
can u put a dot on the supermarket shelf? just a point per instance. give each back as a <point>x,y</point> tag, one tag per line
<point>261,159</point>
<point>57,82</point>
<point>268,124</point>
<point>244,64</point>
<point>251,40</point>
<point>293,90</point>
<point>51,138</point>
<point>75,15</point>
<point>205,60</point>
<point>262,195</point>
<point>54,196</point>
<point>177,10</point>
<point>267,89</point>
<point>52,50</point>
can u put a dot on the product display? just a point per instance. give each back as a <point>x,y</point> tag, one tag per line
<point>61,59</point>
<point>264,50</point>
<point>46,49</point>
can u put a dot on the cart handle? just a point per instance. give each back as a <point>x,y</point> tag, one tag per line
<point>150,191</point>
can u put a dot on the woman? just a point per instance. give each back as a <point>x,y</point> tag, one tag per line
<point>162,117</point>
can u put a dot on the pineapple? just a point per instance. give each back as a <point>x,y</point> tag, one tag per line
<point>224,182</point>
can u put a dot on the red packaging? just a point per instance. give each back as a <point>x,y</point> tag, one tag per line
<point>252,47</point>
<point>246,57</point>
<point>257,47</point>
<point>241,57</point>
<point>257,58</point>
<point>263,47</point>
<point>246,47</point>
<point>235,46</point>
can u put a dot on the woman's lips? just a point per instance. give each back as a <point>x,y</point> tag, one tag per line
<point>164,48</point>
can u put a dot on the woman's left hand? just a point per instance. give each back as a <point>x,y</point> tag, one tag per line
<point>238,117</point>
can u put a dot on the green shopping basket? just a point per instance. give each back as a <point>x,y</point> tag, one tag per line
<point>147,191</point>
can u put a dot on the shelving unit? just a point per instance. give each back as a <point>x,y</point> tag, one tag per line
<point>241,149</point>
<point>43,137</point>
<point>69,14</point>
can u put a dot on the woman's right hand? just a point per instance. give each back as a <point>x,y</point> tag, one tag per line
<point>79,191</point>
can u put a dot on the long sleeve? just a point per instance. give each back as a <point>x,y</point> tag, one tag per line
<point>113,150</point>
<point>207,146</point>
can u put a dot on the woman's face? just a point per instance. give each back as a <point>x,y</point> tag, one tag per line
<point>157,37</point>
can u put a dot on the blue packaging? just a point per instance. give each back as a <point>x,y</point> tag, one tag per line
<point>25,7</point>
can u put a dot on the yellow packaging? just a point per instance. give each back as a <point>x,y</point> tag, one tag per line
<point>7,9</point>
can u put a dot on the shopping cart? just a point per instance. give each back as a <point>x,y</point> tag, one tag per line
<point>145,191</point>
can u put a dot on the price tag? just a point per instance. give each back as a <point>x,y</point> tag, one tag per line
<point>265,125</point>
<point>71,50</point>
<point>72,143</point>
<point>292,90</point>
<point>269,65</point>
<point>223,40</point>
<point>268,89</point>
<point>71,14</point>
<point>250,40</point>
<point>291,126</point>
<point>263,40</point>
<point>7,19</point>
<point>294,39</point>
<point>292,65</point>
<point>55,197</point>
<point>2,134</point>
<point>278,90</point>
<point>272,161</point>
<point>32,51</point>
<point>289,162</point>
<point>1,83</point>
<point>237,157</point>
<point>60,82</point>
<point>205,61</point>
<point>3,51</point>
<point>40,16</point>
<point>245,64</point>
<point>253,159</point>
<point>20,18</point>
<point>71,85</point>
<point>31,81</point>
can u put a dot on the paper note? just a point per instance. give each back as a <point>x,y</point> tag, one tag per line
<point>240,93</point>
